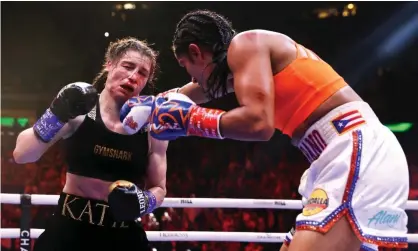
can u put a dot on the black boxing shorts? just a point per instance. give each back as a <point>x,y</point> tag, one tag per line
<point>85,224</point>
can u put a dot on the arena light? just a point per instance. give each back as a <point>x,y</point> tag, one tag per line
<point>22,121</point>
<point>118,6</point>
<point>345,13</point>
<point>400,127</point>
<point>129,6</point>
<point>7,121</point>
<point>323,14</point>
<point>10,121</point>
<point>326,13</point>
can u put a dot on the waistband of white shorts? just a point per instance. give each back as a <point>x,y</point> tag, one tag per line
<point>335,123</point>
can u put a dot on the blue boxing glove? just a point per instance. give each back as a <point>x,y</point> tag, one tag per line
<point>135,113</point>
<point>127,202</point>
<point>176,115</point>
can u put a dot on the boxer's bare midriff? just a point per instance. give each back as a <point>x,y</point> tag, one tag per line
<point>341,97</point>
<point>86,187</point>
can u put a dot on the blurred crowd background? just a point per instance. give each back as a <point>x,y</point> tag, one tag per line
<point>46,45</point>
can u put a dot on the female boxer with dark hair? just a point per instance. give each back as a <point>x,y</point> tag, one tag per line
<point>280,84</point>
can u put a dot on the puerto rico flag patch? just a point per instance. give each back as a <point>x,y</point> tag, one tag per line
<point>348,121</point>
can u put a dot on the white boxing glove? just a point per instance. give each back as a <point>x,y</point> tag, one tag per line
<point>135,113</point>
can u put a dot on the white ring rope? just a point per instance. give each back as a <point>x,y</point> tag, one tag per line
<point>46,199</point>
<point>43,199</point>
<point>189,235</point>
<point>178,235</point>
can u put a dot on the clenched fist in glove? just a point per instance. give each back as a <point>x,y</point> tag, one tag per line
<point>128,202</point>
<point>176,115</point>
<point>72,100</point>
<point>135,113</point>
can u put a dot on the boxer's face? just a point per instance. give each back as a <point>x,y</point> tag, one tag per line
<point>198,63</point>
<point>128,75</point>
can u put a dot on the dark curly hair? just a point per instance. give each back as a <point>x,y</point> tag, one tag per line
<point>212,32</point>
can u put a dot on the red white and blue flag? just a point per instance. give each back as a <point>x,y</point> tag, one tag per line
<point>348,121</point>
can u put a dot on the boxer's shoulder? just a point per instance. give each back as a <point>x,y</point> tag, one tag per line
<point>252,47</point>
<point>246,41</point>
<point>261,39</point>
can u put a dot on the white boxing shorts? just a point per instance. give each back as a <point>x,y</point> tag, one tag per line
<point>289,235</point>
<point>358,170</point>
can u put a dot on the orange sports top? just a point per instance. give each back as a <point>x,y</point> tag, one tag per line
<point>301,87</point>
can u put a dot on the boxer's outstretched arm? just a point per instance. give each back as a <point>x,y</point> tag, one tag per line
<point>250,63</point>
<point>157,168</point>
<point>176,115</point>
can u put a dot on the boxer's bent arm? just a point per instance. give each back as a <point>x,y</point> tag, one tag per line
<point>155,180</point>
<point>29,148</point>
<point>250,63</point>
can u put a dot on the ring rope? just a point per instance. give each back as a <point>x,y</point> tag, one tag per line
<point>189,235</point>
<point>178,235</point>
<point>43,199</point>
<point>46,199</point>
